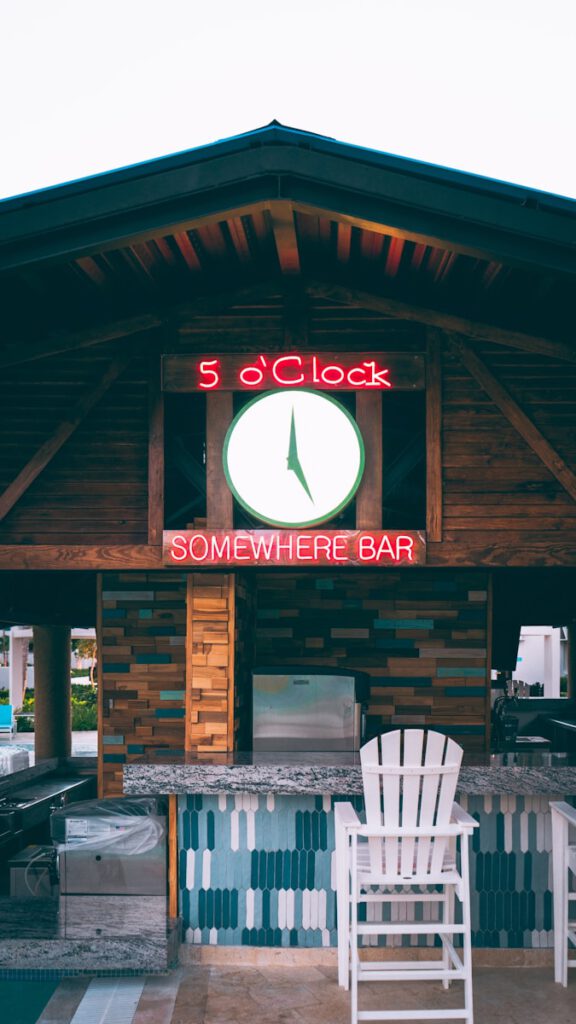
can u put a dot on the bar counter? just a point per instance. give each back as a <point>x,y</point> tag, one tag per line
<point>292,774</point>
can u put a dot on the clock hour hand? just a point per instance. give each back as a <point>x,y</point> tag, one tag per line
<point>293,462</point>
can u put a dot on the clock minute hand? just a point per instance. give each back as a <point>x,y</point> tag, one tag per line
<point>293,462</point>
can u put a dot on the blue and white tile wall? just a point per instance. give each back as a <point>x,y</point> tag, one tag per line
<point>259,870</point>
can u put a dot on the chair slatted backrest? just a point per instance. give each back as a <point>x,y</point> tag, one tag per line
<point>410,780</point>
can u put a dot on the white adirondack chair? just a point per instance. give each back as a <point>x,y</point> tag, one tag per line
<point>563,866</point>
<point>409,842</point>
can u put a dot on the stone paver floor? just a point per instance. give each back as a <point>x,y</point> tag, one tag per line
<point>310,995</point>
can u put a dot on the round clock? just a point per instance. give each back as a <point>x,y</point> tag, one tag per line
<point>293,458</point>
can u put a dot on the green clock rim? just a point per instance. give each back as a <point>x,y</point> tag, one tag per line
<point>309,522</point>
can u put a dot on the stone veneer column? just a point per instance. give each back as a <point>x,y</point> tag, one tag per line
<point>52,711</point>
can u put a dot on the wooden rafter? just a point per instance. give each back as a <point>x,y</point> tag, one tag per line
<point>284,229</point>
<point>435,318</point>
<point>54,345</point>
<point>514,414</point>
<point>434,435</point>
<point>63,431</point>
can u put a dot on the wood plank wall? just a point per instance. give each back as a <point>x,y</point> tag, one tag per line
<point>95,490</point>
<point>420,636</point>
<point>497,492</point>
<point>210,647</point>
<point>143,636</point>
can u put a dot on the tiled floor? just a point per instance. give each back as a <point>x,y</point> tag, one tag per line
<point>277,995</point>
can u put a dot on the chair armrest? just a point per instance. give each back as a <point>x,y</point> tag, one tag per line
<point>345,816</point>
<point>461,817</point>
<point>565,811</point>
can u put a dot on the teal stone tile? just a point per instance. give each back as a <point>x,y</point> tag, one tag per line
<point>169,712</point>
<point>135,748</point>
<point>463,671</point>
<point>324,584</point>
<point>145,613</point>
<point>403,623</point>
<point>110,741</point>
<point>172,694</point>
<point>153,659</point>
<point>465,691</point>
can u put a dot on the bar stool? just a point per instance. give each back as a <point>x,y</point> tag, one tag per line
<point>563,866</point>
<point>409,842</point>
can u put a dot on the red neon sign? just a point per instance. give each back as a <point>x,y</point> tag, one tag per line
<point>209,548</point>
<point>338,371</point>
<point>290,371</point>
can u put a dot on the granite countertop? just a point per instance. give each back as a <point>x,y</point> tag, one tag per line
<point>537,773</point>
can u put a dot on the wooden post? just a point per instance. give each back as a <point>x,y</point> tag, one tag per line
<point>489,631</point>
<point>172,856</point>
<point>52,712</point>
<point>155,451</point>
<point>369,494</point>
<point>433,436</point>
<point>219,506</point>
<point>571,666</point>
<point>100,692</point>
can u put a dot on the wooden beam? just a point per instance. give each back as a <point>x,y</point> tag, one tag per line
<point>155,450</point>
<point>54,345</point>
<point>369,494</point>
<point>514,414</point>
<point>63,431</point>
<point>284,229</point>
<point>114,557</point>
<point>219,504</point>
<point>434,435</point>
<point>435,318</point>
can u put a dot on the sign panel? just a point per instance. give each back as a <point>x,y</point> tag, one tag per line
<point>322,371</point>
<point>296,548</point>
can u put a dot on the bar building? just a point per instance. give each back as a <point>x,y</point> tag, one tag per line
<point>154,320</point>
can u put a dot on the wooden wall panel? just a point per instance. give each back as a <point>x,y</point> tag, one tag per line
<point>210,657</point>
<point>94,491</point>
<point>142,655</point>
<point>421,637</point>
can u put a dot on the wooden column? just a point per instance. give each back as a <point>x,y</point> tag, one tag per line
<point>434,436</point>
<point>52,714</point>
<point>219,506</point>
<point>571,632</point>
<point>369,495</point>
<point>155,451</point>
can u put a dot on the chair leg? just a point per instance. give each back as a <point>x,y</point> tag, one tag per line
<point>467,937</point>
<point>560,895</point>
<point>354,933</point>
<point>343,908</point>
<point>448,918</point>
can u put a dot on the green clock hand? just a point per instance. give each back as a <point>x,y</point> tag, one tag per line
<point>293,462</point>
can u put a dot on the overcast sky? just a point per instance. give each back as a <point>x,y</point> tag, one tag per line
<point>487,86</point>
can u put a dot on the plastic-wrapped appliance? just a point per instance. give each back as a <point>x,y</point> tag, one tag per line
<point>112,866</point>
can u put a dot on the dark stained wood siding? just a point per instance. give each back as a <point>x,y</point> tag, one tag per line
<point>94,491</point>
<point>496,489</point>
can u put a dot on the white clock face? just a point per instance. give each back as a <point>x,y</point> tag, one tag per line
<point>293,458</point>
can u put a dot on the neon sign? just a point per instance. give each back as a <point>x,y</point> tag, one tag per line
<point>322,371</point>
<point>336,548</point>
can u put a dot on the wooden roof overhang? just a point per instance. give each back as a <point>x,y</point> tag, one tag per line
<point>151,250</point>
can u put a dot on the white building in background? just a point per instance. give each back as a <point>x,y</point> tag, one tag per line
<point>542,657</point>
<point>21,666</point>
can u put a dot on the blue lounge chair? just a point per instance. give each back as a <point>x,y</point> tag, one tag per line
<point>7,721</point>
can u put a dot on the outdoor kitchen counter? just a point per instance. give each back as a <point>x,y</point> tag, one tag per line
<point>314,774</point>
